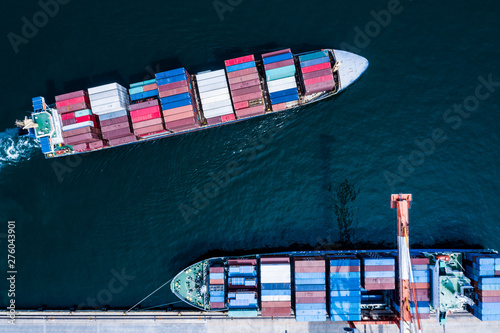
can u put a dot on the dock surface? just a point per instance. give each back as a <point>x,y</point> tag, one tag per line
<point>194,322</point>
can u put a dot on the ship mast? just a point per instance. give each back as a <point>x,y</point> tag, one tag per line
<point>402,202</point>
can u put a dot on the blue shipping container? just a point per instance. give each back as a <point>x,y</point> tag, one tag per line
<point>174,98</point>
<point>282,93</point>
<point>177,104</point>
<point>170,73</point>
<point>310,275</point>
<point>270,286</point>
<point>172,79</point>
<point>313,62</point>
<point>280,73</point>
<point>310,287</point>
<point>277,58</point>
<point>313,55</point>
<point>310,281</point>
<point>113,115</point>
<point>310,306</point>
<point>238,67</point>
<point>285,99</point>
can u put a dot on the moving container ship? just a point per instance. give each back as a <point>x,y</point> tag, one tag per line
<point>359,286</point>
<point>177,102</point>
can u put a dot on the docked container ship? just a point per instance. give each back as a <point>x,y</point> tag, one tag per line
<point>177,102</point>
<point>398,286</point>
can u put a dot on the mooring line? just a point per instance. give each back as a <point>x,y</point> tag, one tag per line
<point>142,300</point>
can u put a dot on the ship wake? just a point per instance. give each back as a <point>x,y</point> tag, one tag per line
<point>14,148</point>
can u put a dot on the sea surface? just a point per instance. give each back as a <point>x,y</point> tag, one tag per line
<point>108,228</point>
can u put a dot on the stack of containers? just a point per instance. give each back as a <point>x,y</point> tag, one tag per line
<point>177,100</point>
<point>38,103</point>
<point>146,118</point>
<point>143,90</point>
<point>216,277</point>
<point>310,289</point>
<point>317,72</point>
<point>244,83</point>
<point>275,291</point>
<point>483,269</point>
<point>80,128</point>
<point>280,76</point>
<point>378,272</point>
<point>111,103</point>
<point>242,285</point>
<point>214,95</point>
<point>422,285</point>
<point>345,288</point>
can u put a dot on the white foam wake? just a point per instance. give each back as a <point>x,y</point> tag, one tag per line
<point>15,149</point>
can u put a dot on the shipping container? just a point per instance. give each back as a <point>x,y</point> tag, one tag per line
<point>122,140</point>
<point>242,72</point>
<point>71,95</point>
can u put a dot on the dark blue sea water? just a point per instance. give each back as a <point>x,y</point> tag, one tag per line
<point>108,228</point>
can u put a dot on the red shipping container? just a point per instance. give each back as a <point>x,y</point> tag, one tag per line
<point>227,117</point>
<point>73,107</point>
<point>386,286</point>
<point>173,92</point>
<point>147,123</point>
<point>179,109</point>
<point>242,72</point>
<point>114,121</point>
<point>241,105</point>
<point>338,269</point>
<point>84,118</point>
<point>381,268</point>
<point>213,121</point>
<point>318,67</point>
<point>488,293</point>
<point>216,269</point>
<point>242,262</point>
<point>177,129</point>
<point>81,130</point>
<point>274,260</point>
<point>96,144</point>
<point>420,285</point>
<point>245,91</point>
<point>243,78</point>
<point>379,280</point>
<point>240,60</point>
<point>143,105</point>
<point>70,95</point>
<point>216,305</point>
<point>324,78</point>
<point>489,299</point>
<point>67,116</point>
<point>306,300</point>
<point>323,72</point>
<point>183,123</point>
<point>148,130</point>
<point>276,304</point>
<point>275,312</point>
<point>425,297</point>
<point>247,97</point>
<point>145,111</point>
<point>76,100</point>
<point>216,281</point>
<point>81,147</point>
<point>69,121</point>
<point>318,87</point>
<point>279,64</point>
<point>81,138</point>
<point>245,84</point>
<point>179,116</point>
<point>115,127</point>
<point>122,140</point>
<point>310,294</point>
<point>420,261</point>
<point>173,85</point>
<point>116,133</point>
<point>274,53</point>
<point>147,117</point>
<point>149,87</point>
<point>310,269</point>
<point>252,111</point>
<point>309,263</point>
<point>279,107</point>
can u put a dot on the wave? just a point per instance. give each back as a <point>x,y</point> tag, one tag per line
<point>14,148</point>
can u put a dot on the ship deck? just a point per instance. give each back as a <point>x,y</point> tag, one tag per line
<point>185,284</point>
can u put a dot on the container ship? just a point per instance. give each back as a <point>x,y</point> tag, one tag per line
<point>176,102</point>
<point>400,286</point>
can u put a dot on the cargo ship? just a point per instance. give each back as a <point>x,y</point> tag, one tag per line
<point>400,286</point>
<point>176,102</point>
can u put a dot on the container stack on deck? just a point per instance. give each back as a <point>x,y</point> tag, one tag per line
<point>80,128</point>
<point>345,288</point>
<point>310,289</point>
<point>216,277</point>
<point>281,82</point>
<point>244,83</point>
<point>177,100</point>
<point>422,284</point>
<point>242,287</point>
<point>275,292</point>
<point>484,271</point>
<point>214,94</point>
<point>317,72</point>
<point>378,272</point>
<point>111,103</point>
<point>143,90</point>
<point>146,118</point>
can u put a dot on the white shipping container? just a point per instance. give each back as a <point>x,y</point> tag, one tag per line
<point>218,98</point>
<point>209,82</point>
<point>275,279</point>
<point>215,105</point>
<point>109,93</point>
<point>275,268</point>
<point>106,87</point>
<point>216,86</point>
<point>290,79</point>
<point>218,112</point>
<point>275,298</point>
<point>106,108</point>
<point>283,87</point>
<point>213,93</point>
<point>78,125</point>
<point>109,100</point>
<point>211,74</point>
